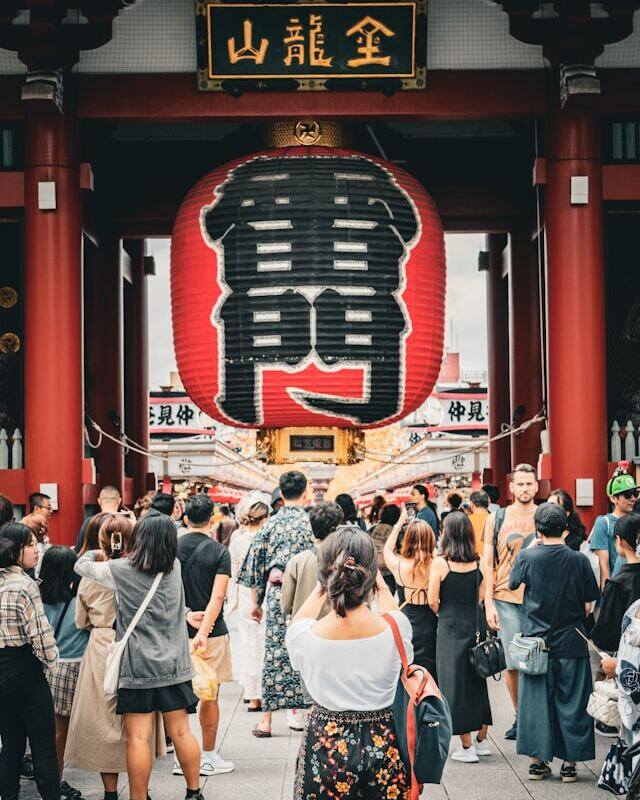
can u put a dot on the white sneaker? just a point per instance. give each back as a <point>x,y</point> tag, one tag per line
<point>482,748</point>
<point>469,755</point>
<point>295,719</point>
<point>220,766</point>
<point>177,769</point>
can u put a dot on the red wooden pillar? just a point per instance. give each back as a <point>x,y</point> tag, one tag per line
<point>104,355</point>
<point>53,313</point>
<point>525,359</point>
<point>575,303</point>
<point>136,365</point>
<point>498,342</point>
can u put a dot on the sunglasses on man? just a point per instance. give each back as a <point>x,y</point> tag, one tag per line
<point>630,494</point>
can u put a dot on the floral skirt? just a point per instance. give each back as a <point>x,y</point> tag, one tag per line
<point>350,755</point>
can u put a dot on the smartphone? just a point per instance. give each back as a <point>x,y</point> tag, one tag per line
<point>411,510</point>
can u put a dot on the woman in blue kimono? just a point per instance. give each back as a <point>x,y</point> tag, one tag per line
<point>283,536</point>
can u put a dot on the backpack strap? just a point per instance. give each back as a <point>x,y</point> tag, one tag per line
<point>61,618</point>
<point>497,525</point>
<point>411,732</point>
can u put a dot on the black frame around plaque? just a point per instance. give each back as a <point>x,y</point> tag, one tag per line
<point>388,84</point>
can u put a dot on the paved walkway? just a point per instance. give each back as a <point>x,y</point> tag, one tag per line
<point>265,768</point>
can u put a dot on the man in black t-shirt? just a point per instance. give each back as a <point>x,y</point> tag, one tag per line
<point>206,569</point>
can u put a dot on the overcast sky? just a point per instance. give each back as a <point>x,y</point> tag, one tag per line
<point>465,313</point>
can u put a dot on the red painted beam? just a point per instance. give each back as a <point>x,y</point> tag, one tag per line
<point>450,94</point>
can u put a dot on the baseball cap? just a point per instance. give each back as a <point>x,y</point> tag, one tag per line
<point>621,481</point>
<point>628,528</point>
<point>550,519</point>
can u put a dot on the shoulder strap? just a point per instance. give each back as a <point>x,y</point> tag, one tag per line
<point>193,556</point>
<point>398,640</point>
<point>142,609</point>
<point>477,598</point>
<point>61,619</point>
<point>497,525</point>
<point>555,619</point>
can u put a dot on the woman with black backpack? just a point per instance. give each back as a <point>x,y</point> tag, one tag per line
<point>350,741</point>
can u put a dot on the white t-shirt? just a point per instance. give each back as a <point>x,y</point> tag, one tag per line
<point>349,674</point>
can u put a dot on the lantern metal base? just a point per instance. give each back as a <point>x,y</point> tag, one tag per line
<point>325,445</point>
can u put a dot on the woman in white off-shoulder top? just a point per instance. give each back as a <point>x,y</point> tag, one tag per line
<point>350,666</point>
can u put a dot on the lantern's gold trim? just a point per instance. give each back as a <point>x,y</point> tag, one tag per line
<point>307,132</point>
<point>274,444</point>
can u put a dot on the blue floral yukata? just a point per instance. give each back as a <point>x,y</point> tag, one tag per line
<point>282,536</point>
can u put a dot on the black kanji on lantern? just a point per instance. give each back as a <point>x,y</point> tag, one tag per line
<point>312,250</point>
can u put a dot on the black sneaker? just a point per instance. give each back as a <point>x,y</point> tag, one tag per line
<point>195,796</point>
<point>606,730</point>
<point>538,772</point>
<point>512,733</point>
<point>568,773</point>
<point>69,792</point>
<point>26,768</point>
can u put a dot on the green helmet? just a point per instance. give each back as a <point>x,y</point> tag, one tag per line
<point>621,481</point>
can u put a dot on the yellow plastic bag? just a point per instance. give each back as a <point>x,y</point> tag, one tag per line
<point>205,682</point>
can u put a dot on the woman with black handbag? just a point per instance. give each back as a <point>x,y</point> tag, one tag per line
<point>455,586</point>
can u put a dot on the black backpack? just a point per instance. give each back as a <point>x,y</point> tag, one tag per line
<point>422,720</point>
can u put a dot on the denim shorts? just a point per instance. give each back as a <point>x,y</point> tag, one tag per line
<point>510,615</point>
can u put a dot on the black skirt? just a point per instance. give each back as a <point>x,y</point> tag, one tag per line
<point>162,698</point>
<point>424,624</point>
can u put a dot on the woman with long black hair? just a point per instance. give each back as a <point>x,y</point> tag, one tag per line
<point>156,671</point>
<point>58,589</point>
<point>455,584</point>
<point>27,649</point>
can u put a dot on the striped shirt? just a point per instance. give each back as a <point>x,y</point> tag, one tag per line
<point>22,617</point>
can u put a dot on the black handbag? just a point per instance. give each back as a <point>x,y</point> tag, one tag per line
<point>487,657</point>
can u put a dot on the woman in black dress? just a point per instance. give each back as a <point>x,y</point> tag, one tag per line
<point>455,586</point>
<point>411,570</point>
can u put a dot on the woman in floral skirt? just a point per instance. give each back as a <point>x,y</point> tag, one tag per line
<point>349,749</point>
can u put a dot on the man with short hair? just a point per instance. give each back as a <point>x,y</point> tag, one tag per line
<point>494,496</point>
<point>508,531</point>
<point>206,569</point>
<point>109,500</point>
<point>622,589</point>
<point>40,503</point>
<point>226,526</point>
<point>165,503</point>
<point>478,517</point>
<point>301,573</point>
<point>622,491</point>
<point>420,496</point>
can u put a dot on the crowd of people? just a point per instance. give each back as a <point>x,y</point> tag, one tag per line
<point>309,586</point>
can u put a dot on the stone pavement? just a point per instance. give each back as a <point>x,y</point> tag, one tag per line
<point>265,767</point>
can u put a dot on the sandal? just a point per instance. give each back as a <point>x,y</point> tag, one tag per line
<point>253,709</point>
<point>260,734</point>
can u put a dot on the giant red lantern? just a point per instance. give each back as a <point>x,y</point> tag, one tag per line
<point>308,289</point>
